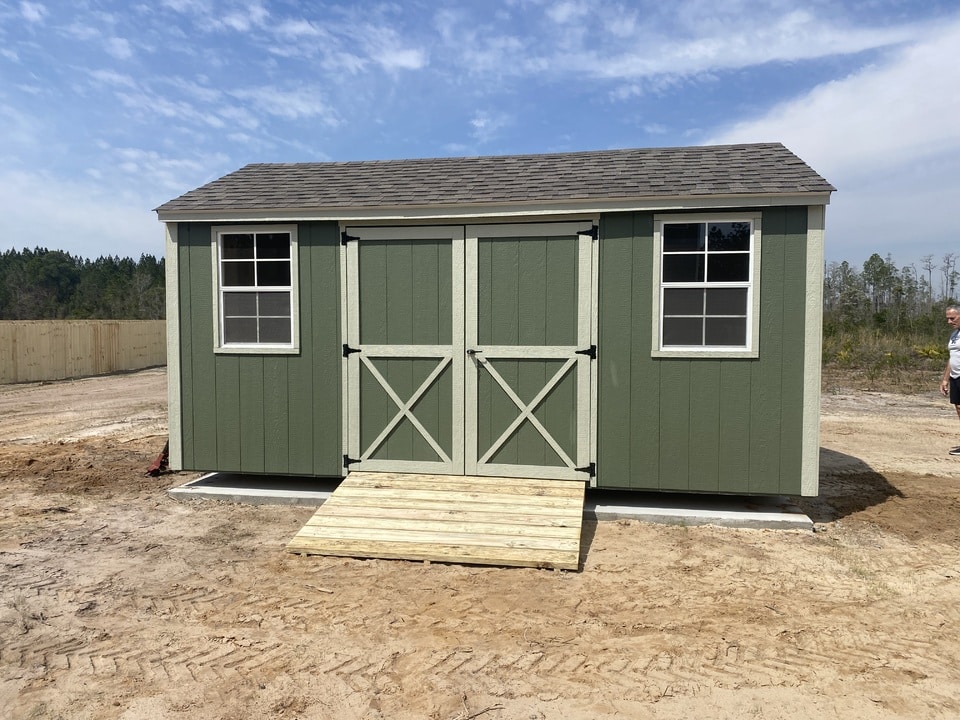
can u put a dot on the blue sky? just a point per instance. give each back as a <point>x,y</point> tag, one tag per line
<point>109,108</point>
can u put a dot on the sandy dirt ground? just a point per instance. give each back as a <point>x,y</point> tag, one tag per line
<point>117,602</point>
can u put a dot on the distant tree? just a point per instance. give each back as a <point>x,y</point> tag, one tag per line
<point>927,264</point>
<point>948,268</point>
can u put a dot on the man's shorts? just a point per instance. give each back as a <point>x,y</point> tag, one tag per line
<point>955,390</point>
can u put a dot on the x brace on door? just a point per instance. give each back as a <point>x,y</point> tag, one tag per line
<point>405,408</point>
<point>526,410</point>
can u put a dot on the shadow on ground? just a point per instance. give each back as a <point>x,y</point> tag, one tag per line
<point>588,530</point>
<point>848,485</point>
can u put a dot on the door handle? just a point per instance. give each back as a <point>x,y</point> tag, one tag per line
<point>473,352</point>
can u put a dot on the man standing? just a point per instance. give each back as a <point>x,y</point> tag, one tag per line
<point>950,384</point>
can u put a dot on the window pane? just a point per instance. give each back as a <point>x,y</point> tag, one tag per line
<point>275,304</point>
<point>238,274</point>
<point>683,268</point>
<point>683,301</point>
<point>726,331</point>
<point>678,237</point>
<point>273,245</point>
<point>236,246</point>
<point>728,236</point>
<point>734,267</point>
<point>239,304</point>
<point>239,330</point>
<point>274,330</point>
<point>727,301</point>
<point>272,273</point>
<point>682,331</point>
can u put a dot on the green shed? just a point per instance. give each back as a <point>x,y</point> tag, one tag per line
<point>641,319</point>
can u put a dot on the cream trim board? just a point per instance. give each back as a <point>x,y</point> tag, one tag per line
<point>534,209</point>
<point>174,379</point>
<point>584,363</point>
<point>539,229</point>
<point>594,340</point>
<point>812,350</point>
<point>352,339</point>
<point>752,349</point>
<point>257,349</point>
<point>346,414</point>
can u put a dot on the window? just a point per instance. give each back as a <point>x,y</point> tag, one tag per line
<point>256,291</point>
<point>707,289</point>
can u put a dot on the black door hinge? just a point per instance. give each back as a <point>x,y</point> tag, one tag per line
<point>348,351</point>
<point>344,238</point>
<point>590,351</point>
<point>348,461</point>
<point>590,469</point>
<point>593,232</point>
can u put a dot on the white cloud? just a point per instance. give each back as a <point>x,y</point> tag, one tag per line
<point>567,11</point>
<point>288,104</point>
<point>486,125</point>
<point>252,16</point>
<point>112,77</point>
<point>888,138</point>
<point>81,31</point>
<point>192,7</point>
<point>44,210</point>
<point>33,12</point>
<point>401,58</point>
<point>298,28</point>
<point>148,104</point>
<point>383,44</point>
<point>198,91</point>
<point>728,45</point>
<point>119,48</point>
<point>238,116</point>
<point>17,129</point>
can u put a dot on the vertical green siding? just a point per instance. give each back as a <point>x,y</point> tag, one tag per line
<point>199,391</point>
<point>262,413</point>
<point>691,424</point>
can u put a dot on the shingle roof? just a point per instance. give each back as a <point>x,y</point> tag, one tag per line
<point>749,169</point>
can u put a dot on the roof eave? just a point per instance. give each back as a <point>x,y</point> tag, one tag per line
<point>494,209</point>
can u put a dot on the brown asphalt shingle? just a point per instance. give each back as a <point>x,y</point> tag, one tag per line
<point>752,169</point>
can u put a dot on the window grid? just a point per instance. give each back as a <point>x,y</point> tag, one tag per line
<point>255,275</point>
<point>697,311</point>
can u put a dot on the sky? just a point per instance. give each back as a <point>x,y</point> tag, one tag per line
<point>109,108</point>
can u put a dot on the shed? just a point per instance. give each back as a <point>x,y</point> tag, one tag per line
<point>644,319</point>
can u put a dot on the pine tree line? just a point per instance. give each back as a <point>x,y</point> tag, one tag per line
<point>887,299</point>
<point>42,284</point>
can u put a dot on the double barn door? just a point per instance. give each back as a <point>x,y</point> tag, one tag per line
<point>469,349</point>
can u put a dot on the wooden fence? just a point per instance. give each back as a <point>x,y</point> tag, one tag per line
<point>34,350</point>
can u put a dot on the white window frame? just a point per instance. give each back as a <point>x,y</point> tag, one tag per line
<point>751,348</point>
<point>219,345</point>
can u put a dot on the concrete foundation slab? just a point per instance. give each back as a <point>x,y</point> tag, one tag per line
<point>773,512</point>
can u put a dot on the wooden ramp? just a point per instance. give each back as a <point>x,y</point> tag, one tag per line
<point>449,518</point>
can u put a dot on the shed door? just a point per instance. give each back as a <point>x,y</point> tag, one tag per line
<point>528,336</point>
<point>468,349</point>
<point>404,348</point>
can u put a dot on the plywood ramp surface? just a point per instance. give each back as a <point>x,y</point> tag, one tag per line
<point>462,519</point>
